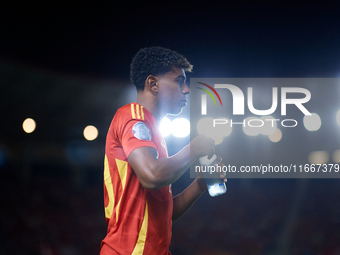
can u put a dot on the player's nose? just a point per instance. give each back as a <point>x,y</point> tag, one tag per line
<point>186,89</point>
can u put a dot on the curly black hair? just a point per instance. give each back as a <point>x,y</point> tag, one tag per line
<point>155,61</point>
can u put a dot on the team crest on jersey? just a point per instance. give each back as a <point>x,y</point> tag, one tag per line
<point>141,131</point>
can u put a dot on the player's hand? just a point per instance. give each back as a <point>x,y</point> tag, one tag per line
<point>200,176</point>
<point>202,145</point>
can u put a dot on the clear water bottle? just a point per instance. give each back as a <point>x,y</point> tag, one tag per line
<point>216,185</point>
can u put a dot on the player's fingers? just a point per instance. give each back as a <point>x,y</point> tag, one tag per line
<point>219,160</point>
<point>220,168</point>
<point>223,175</point>
<point>211,153</point>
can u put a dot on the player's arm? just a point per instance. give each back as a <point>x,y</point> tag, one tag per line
<point>155,173</point>
<point>183,201</point>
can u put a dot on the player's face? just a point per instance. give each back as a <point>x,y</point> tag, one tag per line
<point>173,91</point>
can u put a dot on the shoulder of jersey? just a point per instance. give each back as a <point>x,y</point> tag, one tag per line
<point>132,111</point>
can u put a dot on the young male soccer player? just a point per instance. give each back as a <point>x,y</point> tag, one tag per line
<point>139,207</point>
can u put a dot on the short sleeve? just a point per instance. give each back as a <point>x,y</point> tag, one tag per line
<point>135,134</point>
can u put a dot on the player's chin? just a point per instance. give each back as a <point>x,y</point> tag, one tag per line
<point>176,111</point>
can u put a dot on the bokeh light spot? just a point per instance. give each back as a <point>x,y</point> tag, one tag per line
<point>90,133</point>
<point>180,127</point>
<point>312,122</point>
<point>338,117</point>
<point>276,136</point>
<point>336,156</point>
<point>29,125</point>
<point>318,157</point>
<point>165,127</point>
<point>252,126</point>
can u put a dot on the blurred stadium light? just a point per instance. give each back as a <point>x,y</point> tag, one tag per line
<point>90,133</point>
<point>312,122</point>
<point>29,125</point>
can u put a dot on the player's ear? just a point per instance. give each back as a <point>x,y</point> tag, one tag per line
<point>151,83</point>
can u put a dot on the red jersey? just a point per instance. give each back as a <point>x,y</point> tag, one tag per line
<point>139,220</point>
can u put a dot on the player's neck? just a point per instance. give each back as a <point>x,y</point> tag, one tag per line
<point>151,104</point>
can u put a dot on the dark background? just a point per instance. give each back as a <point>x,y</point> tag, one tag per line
<point>67,66</point>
